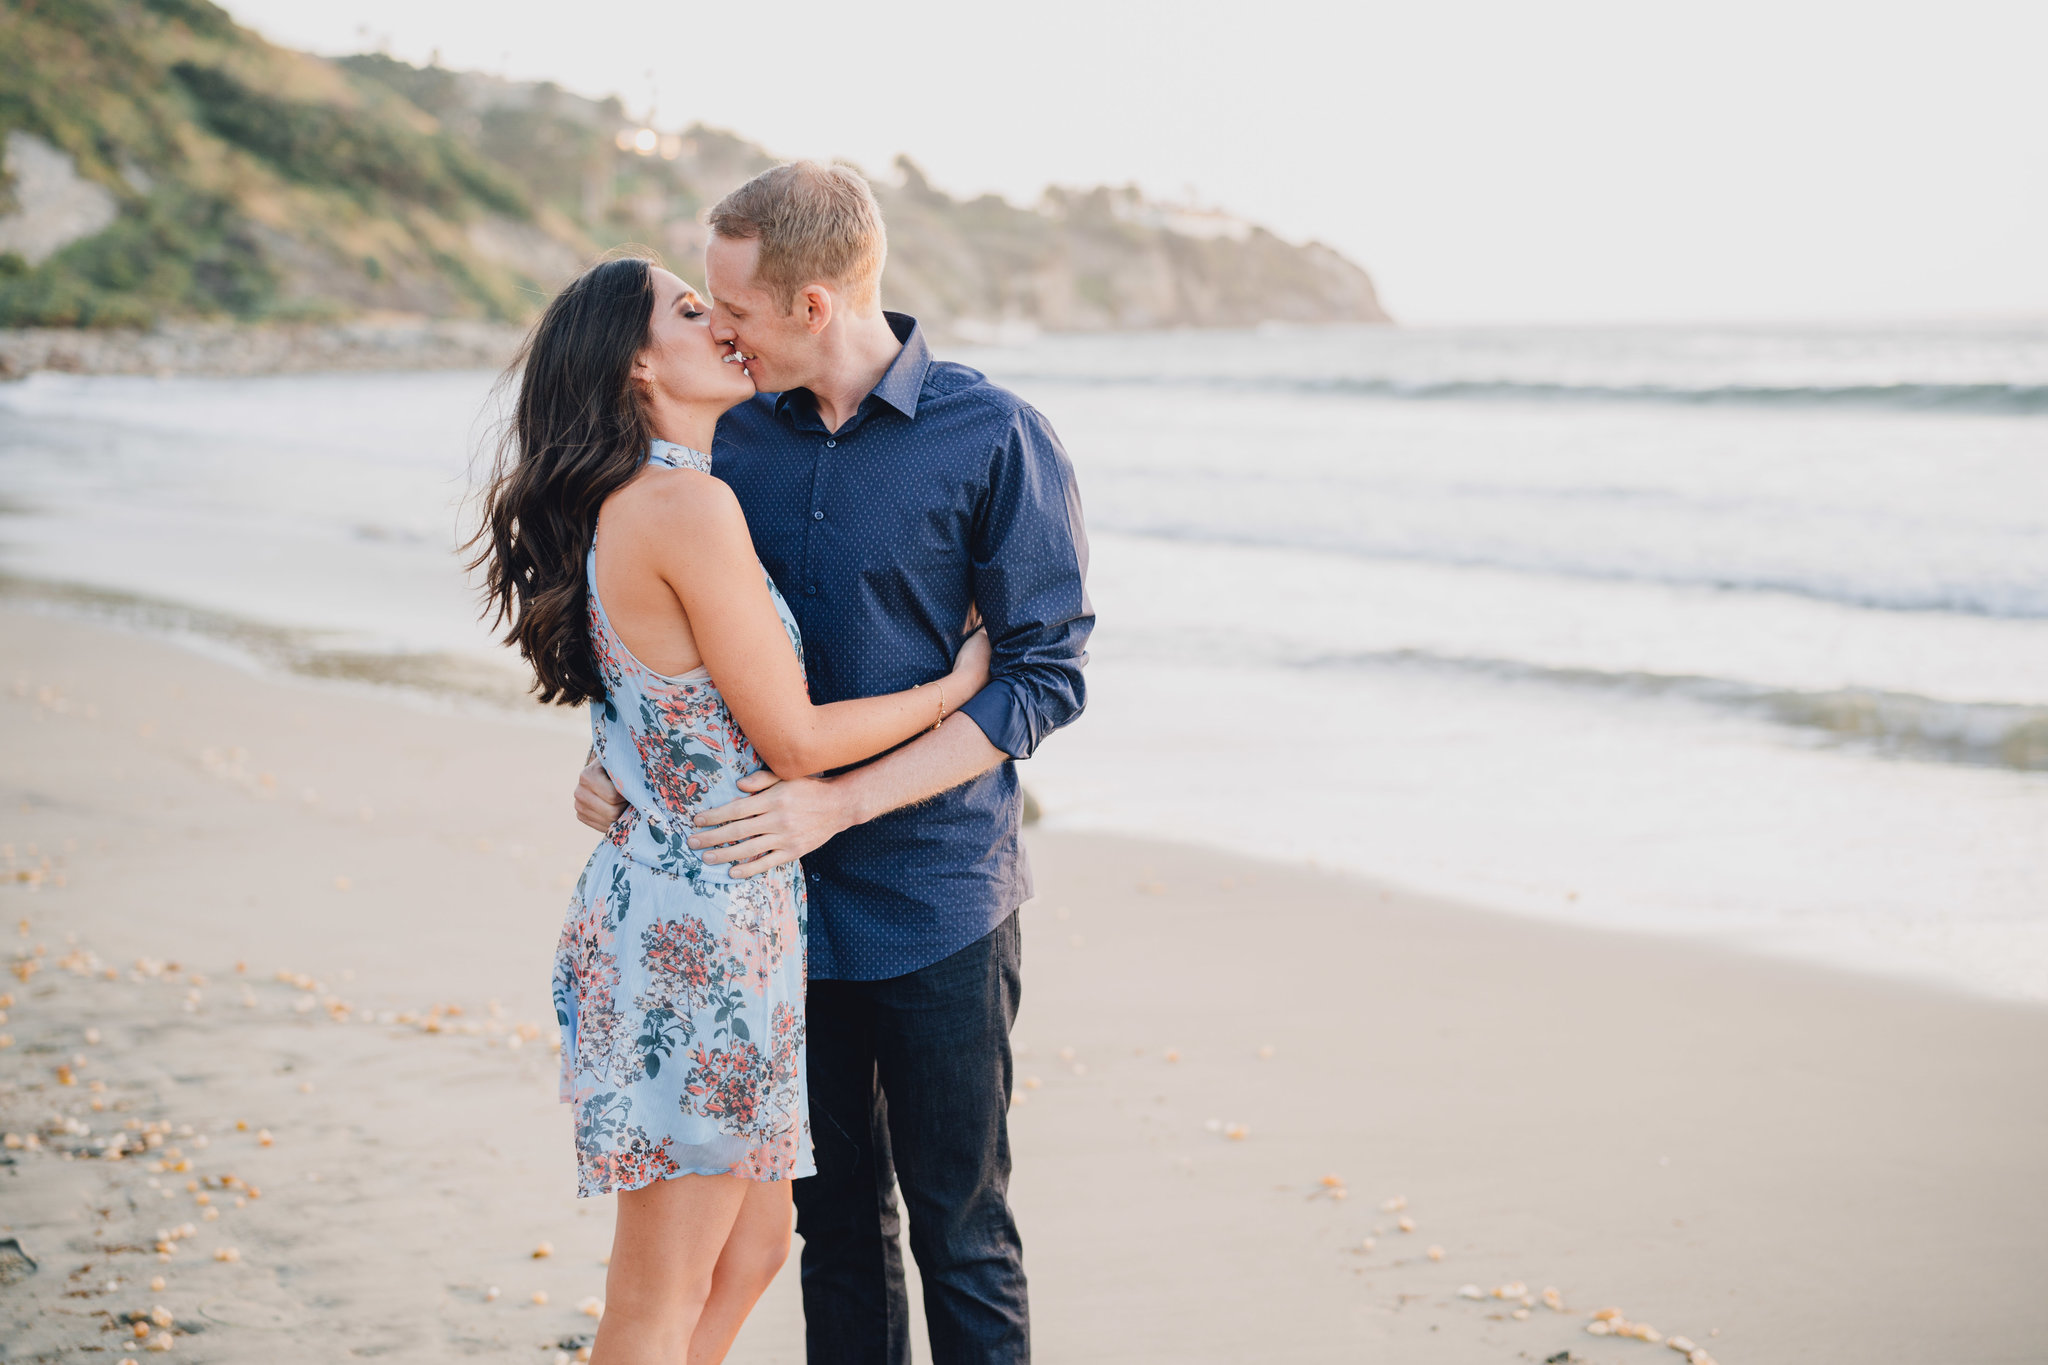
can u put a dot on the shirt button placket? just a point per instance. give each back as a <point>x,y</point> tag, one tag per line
<point>811,549</point>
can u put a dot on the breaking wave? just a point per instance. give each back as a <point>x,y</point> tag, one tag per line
<point>1900,724</point>
<point>1985,399</point>
<point>2015,595</point>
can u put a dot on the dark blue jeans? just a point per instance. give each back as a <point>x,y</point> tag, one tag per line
<point>910,1085</point>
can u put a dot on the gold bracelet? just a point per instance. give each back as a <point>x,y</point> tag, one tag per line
<point>941,685</point>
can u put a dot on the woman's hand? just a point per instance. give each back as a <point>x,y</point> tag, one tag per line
<point>598,803</point>
<point>970,670</point>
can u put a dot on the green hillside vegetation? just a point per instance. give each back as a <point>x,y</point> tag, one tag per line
<point>251,182</point>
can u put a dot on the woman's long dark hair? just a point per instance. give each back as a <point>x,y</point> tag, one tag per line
<point>577,435</point>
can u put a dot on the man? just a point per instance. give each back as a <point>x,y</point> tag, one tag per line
<point>890,494</point>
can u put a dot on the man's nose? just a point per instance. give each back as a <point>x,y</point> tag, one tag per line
<point>722,332</point>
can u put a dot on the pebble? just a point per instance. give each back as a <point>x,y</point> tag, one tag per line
<point>1471,1291</point>
<point>1406,1224</point>
<point>543,1251</point>
<point>1436,1253</point>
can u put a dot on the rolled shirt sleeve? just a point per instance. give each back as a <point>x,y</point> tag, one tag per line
<point>1030,569</point>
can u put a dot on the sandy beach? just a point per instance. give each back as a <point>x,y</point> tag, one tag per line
<point>279,1037</point>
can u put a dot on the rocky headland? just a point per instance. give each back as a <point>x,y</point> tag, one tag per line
<point>179,194</point>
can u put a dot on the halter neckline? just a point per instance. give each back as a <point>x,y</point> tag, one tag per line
<point>672,456</point>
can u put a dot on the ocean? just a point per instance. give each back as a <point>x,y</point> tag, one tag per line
<point>1733,633</point>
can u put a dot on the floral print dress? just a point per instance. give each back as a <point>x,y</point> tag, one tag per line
<point>679,988</point>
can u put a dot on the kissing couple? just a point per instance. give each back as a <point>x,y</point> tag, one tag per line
<point>820,591</point>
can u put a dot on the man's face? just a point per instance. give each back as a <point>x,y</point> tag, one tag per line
<point>781,348</point>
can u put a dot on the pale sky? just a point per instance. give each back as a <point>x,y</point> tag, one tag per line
<point>1486,160</point>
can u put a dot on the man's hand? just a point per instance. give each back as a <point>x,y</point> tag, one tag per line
<point>777,823</point>
<point>598,802</point>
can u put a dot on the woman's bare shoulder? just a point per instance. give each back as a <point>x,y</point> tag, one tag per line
<point>688,524</point>
<point>677,499</point>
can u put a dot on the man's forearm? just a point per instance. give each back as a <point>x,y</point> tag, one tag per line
<point>935,762</point>
<point>779,822</point>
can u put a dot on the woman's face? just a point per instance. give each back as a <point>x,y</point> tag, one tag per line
<point>681,363</point>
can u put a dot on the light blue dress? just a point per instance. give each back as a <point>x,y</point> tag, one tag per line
<point>679,987</point>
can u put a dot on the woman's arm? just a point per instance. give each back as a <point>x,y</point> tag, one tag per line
<point>706,556</point>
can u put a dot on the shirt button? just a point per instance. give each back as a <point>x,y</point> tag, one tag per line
<point>830,444</point>
<point>811,590</point>
<point>817,516</point>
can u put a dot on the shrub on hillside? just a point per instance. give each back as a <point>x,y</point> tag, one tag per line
<point>320,144</point>
<point>176,252</point>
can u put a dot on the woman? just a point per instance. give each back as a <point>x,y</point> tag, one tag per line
<point>629,582</point>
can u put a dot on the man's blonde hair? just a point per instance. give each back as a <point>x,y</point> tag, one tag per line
<point>815,223</point>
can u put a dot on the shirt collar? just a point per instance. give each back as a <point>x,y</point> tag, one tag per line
<point>901,384</point>
<point>904,381</point>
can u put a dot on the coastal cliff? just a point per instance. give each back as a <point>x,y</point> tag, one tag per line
<point>167,171</point>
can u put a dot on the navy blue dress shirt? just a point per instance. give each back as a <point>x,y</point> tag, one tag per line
<point>941,491</point>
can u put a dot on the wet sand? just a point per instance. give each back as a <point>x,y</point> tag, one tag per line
<point>327,915</point>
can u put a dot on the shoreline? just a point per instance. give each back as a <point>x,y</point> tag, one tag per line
<point>1778,1161</point>
<point>446,682</point>
<point>227,349</point>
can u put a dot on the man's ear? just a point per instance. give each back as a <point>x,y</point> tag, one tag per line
<point>816,301</point>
